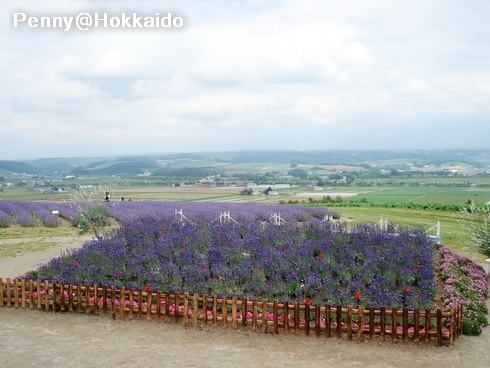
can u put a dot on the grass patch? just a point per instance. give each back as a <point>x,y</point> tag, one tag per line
<point>19,248</point>
<point>36,232</point>
<point>459,195</point>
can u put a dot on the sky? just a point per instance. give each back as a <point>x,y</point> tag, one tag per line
<point>244,75</point>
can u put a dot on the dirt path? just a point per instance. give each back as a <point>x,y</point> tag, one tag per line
<point>30,338</point>
<point>11,267</point>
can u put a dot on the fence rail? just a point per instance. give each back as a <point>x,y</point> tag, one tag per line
<point>193,310</point>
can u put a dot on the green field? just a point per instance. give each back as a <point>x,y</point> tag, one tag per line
<point>426,194</point>
<point>458,195</point>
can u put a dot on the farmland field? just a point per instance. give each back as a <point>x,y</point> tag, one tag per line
<point>384,193</point>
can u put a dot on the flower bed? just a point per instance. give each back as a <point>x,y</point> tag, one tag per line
<point>464,283</point>
<point>249,253</point>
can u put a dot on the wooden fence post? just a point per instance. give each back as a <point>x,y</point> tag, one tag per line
<point>113,302</point>
<point>205,309</point>
<point>339,321</point>
<point>234,312</point>
<point>70,297</point>
<point>296,318</point>
<point>55,296</point>
<point>394,317</point>
<point>383,324</point>
<point>131,301</point>
<point>96,299</point>
<point>23,292</point>
<point>427,325</point>
<point>264,315</point>
<point>416,325</point>
<point>31,292</point>
<point>439,326</point>
<point>86,290</point>
<point>140,303</point>
<point>195,309</point>
<point>371,323</point>
<point>405,324</point>
<point>254,313</point>
<point>215,310</point>
<point>286,317</point>
<point>9,299</point>
<point>185,319</point>
<point>349,322</point>
<point>38,291</point>
<point>122,303</point>
<point>224,311</point>
<point>244,313</point>
<point>328,321</point>
<point>307,319</point>
<point>46,296</point>
<point>360,324</point>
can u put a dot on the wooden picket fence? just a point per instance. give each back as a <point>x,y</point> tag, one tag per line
<point>350,322</point>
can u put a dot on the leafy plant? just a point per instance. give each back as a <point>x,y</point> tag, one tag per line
<point>91,208</point>
<point>476,220</point>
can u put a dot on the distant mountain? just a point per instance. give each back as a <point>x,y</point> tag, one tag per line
<point>358,157</point>
<point>61,164</point>
<point>16,166</point>
<point>132,165</point>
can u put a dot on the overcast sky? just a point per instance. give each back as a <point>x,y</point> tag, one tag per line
<point>245,75</point>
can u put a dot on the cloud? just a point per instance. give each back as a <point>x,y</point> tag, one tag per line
<point>248,75</point>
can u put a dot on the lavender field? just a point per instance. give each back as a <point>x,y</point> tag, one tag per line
<point>293,253</point>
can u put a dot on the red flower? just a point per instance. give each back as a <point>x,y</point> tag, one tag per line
<point>406,289</point>
<point>148,288</point>
<point>203,267</point>
<point>320,256</point>
<point>307,300</point>
<point>357,295</point>
<point>416,268</point>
